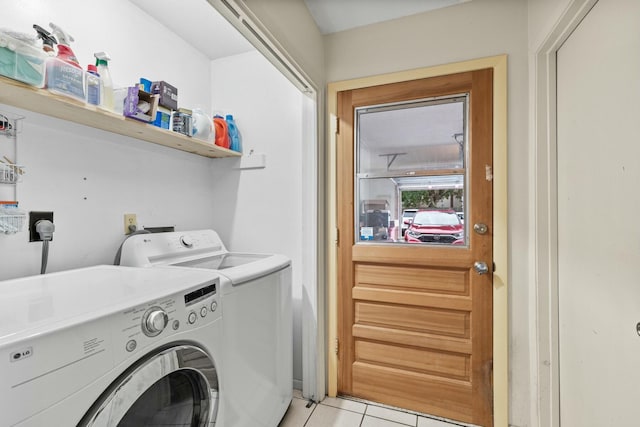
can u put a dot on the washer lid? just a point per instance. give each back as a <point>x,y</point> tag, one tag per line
<point>198,249</point>
<point>240,267</point>
<point>39,304</point>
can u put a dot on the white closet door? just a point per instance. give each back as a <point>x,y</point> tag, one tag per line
<point>599,218</point>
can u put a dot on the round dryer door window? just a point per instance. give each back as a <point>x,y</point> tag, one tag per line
<point>177,386</point>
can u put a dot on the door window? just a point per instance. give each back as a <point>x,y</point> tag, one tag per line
<point>177,386</point>
<point>176,399</point>
<point>410,172</point>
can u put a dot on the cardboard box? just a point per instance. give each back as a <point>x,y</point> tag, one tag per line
<point>140,105</point>
<point>163,118</point>
<point>168,94</point>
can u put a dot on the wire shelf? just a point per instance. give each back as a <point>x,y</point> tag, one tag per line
<point>12,222</point>
<point>10,173</point>
<point>10,124</point>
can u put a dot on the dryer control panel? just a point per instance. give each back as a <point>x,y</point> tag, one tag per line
<point>162,318</point>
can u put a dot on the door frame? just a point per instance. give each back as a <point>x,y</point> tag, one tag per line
<point>240,16</point>
<point>500,242</point>
<point>544,329</point>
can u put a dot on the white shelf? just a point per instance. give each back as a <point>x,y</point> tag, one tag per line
<point>41,101</point>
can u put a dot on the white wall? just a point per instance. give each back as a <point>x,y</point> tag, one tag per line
<point>90,178</point>
<point>291,23</point>
<point>542,16</point>
<point>260,210</point>
<point>471,30</point>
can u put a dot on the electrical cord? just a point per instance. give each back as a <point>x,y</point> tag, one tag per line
<point>45,256</point>
<point>116,260</point>
<point>45,229</point>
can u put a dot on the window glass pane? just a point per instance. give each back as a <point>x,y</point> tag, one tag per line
<point>413,210</point>
<point>410,177</point>
<point>418,136</point>
<point>376,221</point>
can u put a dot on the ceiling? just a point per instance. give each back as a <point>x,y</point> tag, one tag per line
<point>332,16</point>
<point>200,25</point>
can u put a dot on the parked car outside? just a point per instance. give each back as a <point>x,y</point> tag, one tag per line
<point>407,216</point>
<point>437,226</point>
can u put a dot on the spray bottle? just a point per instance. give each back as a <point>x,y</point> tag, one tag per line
<point>48,41</point>
<point>64,45</point>
<point>102,62</point>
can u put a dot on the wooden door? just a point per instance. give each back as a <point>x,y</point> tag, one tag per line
<point>415,320</point>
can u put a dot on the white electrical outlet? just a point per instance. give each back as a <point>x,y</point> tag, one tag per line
<point>130,223</point>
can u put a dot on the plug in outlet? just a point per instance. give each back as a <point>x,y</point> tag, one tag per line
<point>34,217</point>
<point>130,223</point>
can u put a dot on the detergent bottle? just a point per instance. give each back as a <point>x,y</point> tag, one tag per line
<point>102,62</point>
<point>65,76</point>
<point>94,84</point>
<point>234,134</point>
<point>202,125</point>
<point>221,131</point>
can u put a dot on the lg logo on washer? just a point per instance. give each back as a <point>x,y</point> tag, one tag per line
<point>22,354</point>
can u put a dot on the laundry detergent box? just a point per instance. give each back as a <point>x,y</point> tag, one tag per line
<point>163,118</point>
<point>21,58</point>
<point>168,94</point>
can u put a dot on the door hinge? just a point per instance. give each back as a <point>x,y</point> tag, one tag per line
<point>336,347</point>
<point>337,124</point>
<point>336,236</point>
<point>494,267</point>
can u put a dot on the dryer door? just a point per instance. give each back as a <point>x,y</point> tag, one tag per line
<point>176,386</point>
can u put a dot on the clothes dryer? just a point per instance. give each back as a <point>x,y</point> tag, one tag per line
<point>257,328</point>
<point>112,346</point>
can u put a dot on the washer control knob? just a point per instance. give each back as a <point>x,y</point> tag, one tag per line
<point>214,305</point>
<point>192,318</point>
<point>131,345</point>
<point>154,321</point>
<point>186,241</point>
<point>175,325</point>
<point>203,311</point>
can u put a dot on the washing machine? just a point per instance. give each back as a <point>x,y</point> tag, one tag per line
<point>257,327</point>
<point>111,346</point>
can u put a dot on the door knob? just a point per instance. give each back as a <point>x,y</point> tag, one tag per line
<point>481,267</point>
<point>480,228</point>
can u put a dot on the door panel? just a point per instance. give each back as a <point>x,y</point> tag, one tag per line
<point>415,320</point>
<point>419,359</point>
<point>402,388</point>
<point>407,278</point>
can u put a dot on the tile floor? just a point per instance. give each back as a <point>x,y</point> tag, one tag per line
<point>340,412</point>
